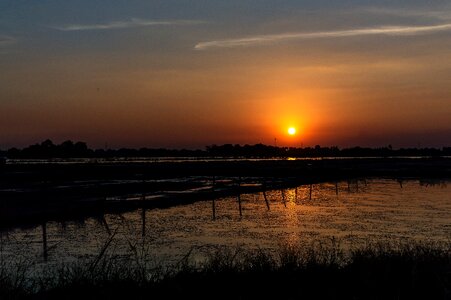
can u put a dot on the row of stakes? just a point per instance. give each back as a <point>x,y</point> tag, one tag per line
<point>143,210</point>
<point>282,194</point>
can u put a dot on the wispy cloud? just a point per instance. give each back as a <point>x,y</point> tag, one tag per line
<point>442,15</point>
<point>273,38</point>
<point>127,24</point>
<point>7,40</point>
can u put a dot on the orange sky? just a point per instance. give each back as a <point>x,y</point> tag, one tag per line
<point>203,80</point>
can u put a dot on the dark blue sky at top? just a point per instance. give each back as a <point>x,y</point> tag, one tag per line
<point>30,25</point>
<point>30,15</point>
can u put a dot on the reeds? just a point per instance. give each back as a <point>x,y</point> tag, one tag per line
<point>319,271</point>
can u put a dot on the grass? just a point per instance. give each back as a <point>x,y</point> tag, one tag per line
<point>376,271</point>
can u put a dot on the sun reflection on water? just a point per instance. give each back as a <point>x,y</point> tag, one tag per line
<point>353,213</point>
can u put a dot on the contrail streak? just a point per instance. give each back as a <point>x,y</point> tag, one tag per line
<point>272,38</point>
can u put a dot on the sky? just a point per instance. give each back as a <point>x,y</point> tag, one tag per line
<point>187,74</point>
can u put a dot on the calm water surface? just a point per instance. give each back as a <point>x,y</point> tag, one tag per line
<point>361,212</point>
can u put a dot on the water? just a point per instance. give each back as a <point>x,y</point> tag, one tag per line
<point>377,210</point>
<point>140,160</point>
<point>177,159</point>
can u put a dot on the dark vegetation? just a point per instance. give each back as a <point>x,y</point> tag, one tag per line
<point>70,149</point>
<point>380,271</point>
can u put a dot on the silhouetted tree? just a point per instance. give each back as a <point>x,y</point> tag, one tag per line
<point>67,149</point>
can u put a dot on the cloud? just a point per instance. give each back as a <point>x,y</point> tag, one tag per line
<point>6,40</point>
<point>442,15</point>
<point>273,38</point>
<point>127,24</point>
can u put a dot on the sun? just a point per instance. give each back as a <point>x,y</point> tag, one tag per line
<point>291,131</point>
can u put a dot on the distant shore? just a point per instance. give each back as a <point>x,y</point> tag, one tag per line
<point>70,149</point>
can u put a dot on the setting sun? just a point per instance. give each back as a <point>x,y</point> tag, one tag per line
<point>291,131</point>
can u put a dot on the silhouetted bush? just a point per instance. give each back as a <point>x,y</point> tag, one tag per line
<point>70,149</point>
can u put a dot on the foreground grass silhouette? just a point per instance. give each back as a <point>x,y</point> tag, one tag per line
<point>379,271</point>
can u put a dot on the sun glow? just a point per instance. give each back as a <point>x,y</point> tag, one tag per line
<point>291,131</point>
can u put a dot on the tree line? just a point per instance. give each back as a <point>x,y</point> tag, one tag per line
<point>70,149</point>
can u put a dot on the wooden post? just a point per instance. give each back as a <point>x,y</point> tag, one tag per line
<point>63,225</point>
<point>266,199</point>
<point>213,204</point>
<point>239,196</point>
<point>283,198</point>
<point>143,217</point>
<point>239,205</point>
<point>107,228</point>
<point>336,188</point>
<point>349,186</point>
<point>44,240</point>
<point>310,196</point>
<point>264,194</point>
